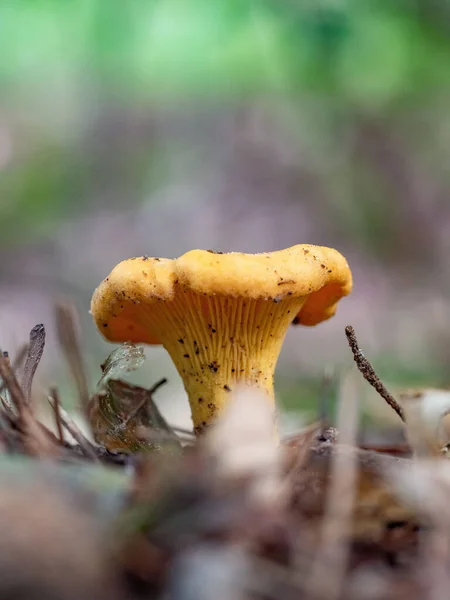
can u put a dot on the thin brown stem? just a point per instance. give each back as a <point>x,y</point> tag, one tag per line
<point>75,432</point>
<point>11,383</point>
<point>153,435</point>
<point>57,411</point>
<point>68,339</point>
<point>368,372</point>
<point>21,355</point>
<point>143,403</point>
<point>6,407</point>
<point>157,385</point>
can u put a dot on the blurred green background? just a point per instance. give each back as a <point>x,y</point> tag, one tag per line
<point>152,127</point>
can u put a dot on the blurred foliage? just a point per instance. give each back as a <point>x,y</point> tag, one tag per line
<point>64,61</point>
<point>307,394</point>
<point>367,52</point>
<point>359,88</point>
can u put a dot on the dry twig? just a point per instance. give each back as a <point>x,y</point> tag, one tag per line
<point>143,403</point>
<point>74,430</point>
<point>368,372</point>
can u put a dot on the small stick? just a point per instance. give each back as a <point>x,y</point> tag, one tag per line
<point>35,351</point>
<point>368,372</point>
<point>141,404</point>
<point>154,413</point>
<point>75,432</point>
<point>157,385</point>
<point>57,410</point>
<point>68,338</point>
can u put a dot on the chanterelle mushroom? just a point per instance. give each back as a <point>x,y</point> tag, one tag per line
<point>221,317</point>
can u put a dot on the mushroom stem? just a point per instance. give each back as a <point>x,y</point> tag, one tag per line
<point>218,342</point>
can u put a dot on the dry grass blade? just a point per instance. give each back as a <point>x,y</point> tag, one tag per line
<point>35,351</point>
<point>6,407</point>
<point>368,372</point>
<point>68,338</point>
<point>21,356</point>
<point>325,398</point>
<point>17,363</point>
<point>328,571</point>
<point>36,439</point>
<point>11,383</point>
<point>56,405</point>
<point>74,431</point>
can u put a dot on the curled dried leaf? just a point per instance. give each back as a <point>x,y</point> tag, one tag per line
<point>123,417</point>
<point>124,359</point>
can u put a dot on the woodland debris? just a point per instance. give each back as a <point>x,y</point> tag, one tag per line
<point>315,517</point>
<point>369,374</point>
<point>68,338</point>
<point>34,355</point>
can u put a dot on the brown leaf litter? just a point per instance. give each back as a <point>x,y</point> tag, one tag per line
<point>145,511</point>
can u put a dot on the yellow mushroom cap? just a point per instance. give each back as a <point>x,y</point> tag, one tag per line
<point>320,274</point>
<point>227,310</point>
